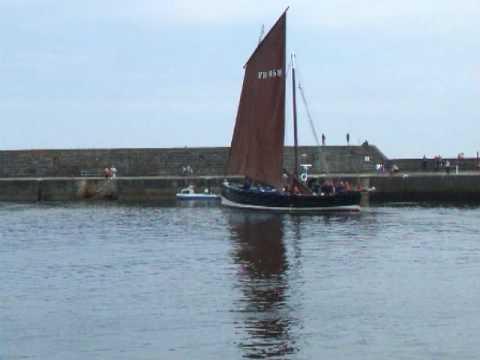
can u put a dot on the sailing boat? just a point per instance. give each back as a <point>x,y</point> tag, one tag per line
<point>257,145</point>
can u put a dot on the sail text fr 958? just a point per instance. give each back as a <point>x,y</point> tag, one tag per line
<point>270,74</point>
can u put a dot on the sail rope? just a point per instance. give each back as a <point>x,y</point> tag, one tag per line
<point>262,32</point>
<point>309,115</point>
<point>307,111</point>
<point>305,104</point>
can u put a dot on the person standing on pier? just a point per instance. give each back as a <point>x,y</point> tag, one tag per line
<point>323,139</point>
<point>348,139</point>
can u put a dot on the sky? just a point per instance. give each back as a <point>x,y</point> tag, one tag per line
<point>404,75</point>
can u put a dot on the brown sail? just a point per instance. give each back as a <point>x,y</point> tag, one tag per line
<point>257,145</point>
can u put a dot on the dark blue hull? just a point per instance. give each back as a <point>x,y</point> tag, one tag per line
<point>271,199</point>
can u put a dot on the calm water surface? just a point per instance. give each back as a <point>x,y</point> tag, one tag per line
<point>82,281</point>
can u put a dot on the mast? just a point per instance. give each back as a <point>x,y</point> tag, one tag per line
<point>295,129</point>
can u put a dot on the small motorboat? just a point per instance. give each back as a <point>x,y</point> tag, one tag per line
<point>189,193</point>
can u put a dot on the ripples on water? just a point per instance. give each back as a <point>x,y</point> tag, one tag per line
<point>132,282</point>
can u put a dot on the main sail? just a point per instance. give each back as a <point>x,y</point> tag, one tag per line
<point>257,144</point>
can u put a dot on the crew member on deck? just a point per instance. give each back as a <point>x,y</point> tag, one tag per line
<point>248,183</point>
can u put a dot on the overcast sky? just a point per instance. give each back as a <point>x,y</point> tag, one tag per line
<point>405,75</point>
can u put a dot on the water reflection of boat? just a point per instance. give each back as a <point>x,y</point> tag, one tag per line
<point>189,193</point>
<point>260,254</point>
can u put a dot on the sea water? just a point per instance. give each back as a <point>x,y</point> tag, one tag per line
<point>113,281</point>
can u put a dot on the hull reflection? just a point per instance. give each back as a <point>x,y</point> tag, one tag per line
<point>265,317</point>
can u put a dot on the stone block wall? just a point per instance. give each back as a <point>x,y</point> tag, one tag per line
<point>426,187</point>
<point>337,159</point>
<point>416,165</point>
<point>129,162</point>
<point>170,162</point>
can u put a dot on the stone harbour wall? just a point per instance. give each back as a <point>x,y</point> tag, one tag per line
<point>134,189</point>
<point>426,187</point>
<point>414,187</point>
<point>171,162</point>
<point>416,165</point>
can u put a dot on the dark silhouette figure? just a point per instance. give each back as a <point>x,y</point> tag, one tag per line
<point>424,163</point>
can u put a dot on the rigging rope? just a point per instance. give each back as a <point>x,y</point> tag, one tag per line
<point>305,104</point>
<point>262,32</point>
<point>309,116</point>
<point>322,159</point>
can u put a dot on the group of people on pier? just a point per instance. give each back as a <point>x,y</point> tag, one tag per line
<point>110,172</point>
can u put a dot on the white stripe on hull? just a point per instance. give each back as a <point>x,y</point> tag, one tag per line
<point>197,197</point>
<point>226,202</point>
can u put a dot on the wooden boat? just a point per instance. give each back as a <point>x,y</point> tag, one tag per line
<point>256,150</point>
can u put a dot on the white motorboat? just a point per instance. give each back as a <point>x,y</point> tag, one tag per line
<point>189,193</point>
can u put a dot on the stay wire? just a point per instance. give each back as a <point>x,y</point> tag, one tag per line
<point>305,103</point>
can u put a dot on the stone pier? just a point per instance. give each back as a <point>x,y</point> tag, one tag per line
<point>157,174</point>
